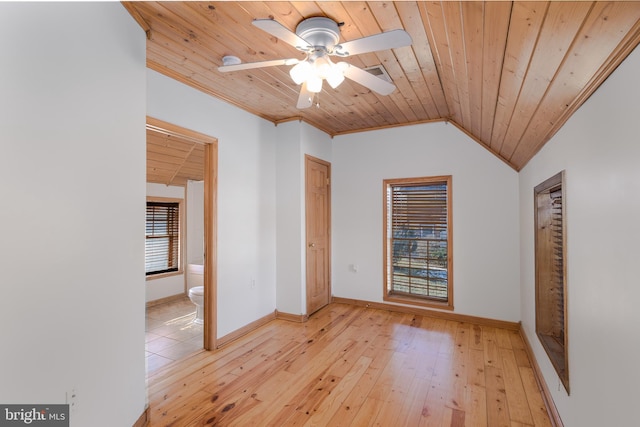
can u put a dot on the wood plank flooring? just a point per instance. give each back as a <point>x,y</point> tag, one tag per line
<point>354,366</point>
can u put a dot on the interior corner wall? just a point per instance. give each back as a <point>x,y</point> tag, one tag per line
<point>295,140</point>
<point>598,149</point>
<point>246,199</point>
<point>72,114</point>
<point>315,143</point>
<point>290,226</point>
<point>485,214</point>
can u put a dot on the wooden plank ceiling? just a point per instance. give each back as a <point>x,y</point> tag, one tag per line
<point>173,159</point>
<point>508,74</point>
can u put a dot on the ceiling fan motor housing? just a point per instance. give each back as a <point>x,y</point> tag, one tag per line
<point>319,32</point>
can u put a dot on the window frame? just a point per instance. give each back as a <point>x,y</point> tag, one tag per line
<point>551,304</point>
<point>181,236</point>
<point>388,293</point>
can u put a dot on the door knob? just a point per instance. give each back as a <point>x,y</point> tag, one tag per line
<point>312,245</point>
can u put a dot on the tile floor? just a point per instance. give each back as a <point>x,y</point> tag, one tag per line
<point>171,333</point>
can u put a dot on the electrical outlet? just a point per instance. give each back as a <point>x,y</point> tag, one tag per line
<point>72,399</point>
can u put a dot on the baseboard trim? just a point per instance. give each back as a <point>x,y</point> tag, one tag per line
<point>143,420</point>
<point>165,299</point>
<point>245,330</point>
<point>298,318</point>
<point>552,410</point>
<point>514,326</point>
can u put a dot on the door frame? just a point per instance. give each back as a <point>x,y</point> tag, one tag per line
<point>308,159</point>
<point>210,224</point>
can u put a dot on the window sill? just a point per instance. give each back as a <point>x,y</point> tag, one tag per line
<point>419,302</point>
<point>163,275</point>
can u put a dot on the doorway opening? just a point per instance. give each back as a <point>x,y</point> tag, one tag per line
<point>184,162</point>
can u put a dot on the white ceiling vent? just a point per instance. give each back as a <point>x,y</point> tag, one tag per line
<point>379,71</point>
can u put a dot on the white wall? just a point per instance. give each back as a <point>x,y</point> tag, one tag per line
<point>315,143</point>
<point>599,149</point>
<point>195,222</point>
<point>294,141</point>
<point>290,273</point>
<point>72,167</point>
<point>162,287</point>
<point>246,196</point>
<point>485,214</point>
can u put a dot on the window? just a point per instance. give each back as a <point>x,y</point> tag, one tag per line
<point>418,250</point>
<point>551,273</point>
<point>162,243</point>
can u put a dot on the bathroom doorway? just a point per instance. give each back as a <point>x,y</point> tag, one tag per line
<point>179,157</point>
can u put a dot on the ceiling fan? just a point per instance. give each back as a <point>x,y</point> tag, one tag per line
<point>318,39</point>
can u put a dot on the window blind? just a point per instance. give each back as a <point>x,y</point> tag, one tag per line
<point>551,273</point>
<point>417,232</point>
<point>162,244</point>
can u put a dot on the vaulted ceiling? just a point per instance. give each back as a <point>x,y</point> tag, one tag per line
<point>508,74</point>
<point>173,159</point>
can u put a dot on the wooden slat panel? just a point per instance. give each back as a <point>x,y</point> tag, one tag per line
<point>458,70</point>
<point>435,103</point>
<point>473,31</point>
<point>163,168</point>
<point>166,150</point>
<point>496,28</point>
<point>526,21</point>
<point>434,20</point>
<point>560,28</point>
<point>176,146</point>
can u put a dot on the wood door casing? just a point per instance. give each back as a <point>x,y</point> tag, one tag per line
<point>210,173</point>
<point>318,233</point>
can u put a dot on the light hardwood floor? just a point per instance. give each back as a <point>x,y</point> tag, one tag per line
<point>354,366</point>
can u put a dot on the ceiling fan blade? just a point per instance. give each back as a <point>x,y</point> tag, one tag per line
<point>278,30</point>
<point>382,41</point>
<point>368,80</point>
<point>259,64</point>
<point>305,99</point>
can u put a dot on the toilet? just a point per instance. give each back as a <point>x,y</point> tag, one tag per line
<point>196,295</point>
<point>195,282</point>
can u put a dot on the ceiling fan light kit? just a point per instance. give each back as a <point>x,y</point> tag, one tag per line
<point>315,68</point>
<point>335,75</point>
<point>318,39</point>
<point>300,71</point>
